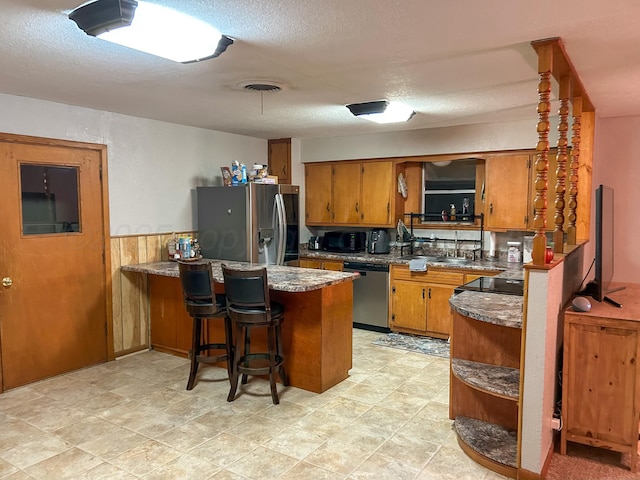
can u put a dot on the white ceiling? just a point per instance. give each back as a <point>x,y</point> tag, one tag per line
<point>456,62</point>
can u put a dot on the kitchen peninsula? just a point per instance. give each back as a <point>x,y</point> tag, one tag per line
<point>316,333</point>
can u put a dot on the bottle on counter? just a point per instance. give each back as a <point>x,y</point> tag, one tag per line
<point>452,212</point>
<point>172,246</point>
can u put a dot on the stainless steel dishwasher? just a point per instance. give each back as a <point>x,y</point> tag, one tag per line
<point>370,295</point>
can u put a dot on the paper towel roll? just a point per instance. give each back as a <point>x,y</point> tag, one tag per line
<point>492,244</point>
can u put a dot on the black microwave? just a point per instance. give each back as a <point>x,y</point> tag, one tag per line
<point>344,242</point>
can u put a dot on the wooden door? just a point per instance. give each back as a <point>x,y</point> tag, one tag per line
<point>280,159</point>
<point>408,306</point>
<point>377,192</point>
<point>506,187</point>
<point>54,218</point>
<point>317,182</point>
<point>439,315</point>
<point>347,208</point>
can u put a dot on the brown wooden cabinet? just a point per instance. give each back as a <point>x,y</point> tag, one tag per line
<point>600,380</point>
<point>280,159</point>
<point>506,189</point>
<point>419,302</point>
<point>347,182</point>
<point>318,206</point>
<point>349,193</point>
<point>377,193</point>
<point>321,264</point>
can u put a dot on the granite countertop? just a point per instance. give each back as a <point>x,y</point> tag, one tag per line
<point>394,257</point>
<point>281,278</point>
<point>496,308</point>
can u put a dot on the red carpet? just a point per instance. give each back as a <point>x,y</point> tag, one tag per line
<point>588,463</point>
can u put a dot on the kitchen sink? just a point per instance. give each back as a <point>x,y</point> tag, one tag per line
<point>422,257</point>
<point>455,260</point>
<point>428,258</point>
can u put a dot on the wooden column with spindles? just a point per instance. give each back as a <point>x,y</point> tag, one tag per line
<point>573,173</point>
<point>545,65</point>
<point>561,171</point>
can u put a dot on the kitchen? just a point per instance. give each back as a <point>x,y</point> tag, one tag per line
<point>158,146</point>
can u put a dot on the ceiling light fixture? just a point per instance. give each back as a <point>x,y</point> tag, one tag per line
<point>382,111</point>
<point>151,28</point>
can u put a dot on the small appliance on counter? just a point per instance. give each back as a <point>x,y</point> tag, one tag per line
<point>315,242</point>
<point>344,242</point>
<point>378,241</point>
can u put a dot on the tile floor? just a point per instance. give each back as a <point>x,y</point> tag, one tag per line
<point>133,418</point>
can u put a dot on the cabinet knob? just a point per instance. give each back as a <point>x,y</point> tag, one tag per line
<point>491,208</point>
<point>328,209</point>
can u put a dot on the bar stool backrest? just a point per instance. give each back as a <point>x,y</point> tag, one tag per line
<point>195,279</point>
<point>246,290</point>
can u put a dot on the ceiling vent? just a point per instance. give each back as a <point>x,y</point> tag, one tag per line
<point>261,86</point>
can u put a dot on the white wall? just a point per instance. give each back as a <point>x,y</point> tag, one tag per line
<point>544,304</point>
<point>153,166</point>
<point>467,138</point>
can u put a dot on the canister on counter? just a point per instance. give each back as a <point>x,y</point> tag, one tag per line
<point>513,252</point>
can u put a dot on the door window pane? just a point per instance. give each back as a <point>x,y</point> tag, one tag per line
<point>49,199</point>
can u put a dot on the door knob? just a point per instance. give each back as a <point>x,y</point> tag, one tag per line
<point>7,282</point>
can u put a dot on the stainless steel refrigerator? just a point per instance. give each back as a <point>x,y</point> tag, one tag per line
<point>256,223</point>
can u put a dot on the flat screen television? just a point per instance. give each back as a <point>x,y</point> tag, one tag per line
<point>600,286</point>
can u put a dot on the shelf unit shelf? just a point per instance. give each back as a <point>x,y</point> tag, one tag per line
<point>492,446</point>
<point>503,382</point>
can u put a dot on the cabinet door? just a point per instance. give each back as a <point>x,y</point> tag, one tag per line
<point>377,193</point>
<point>408,305</point>
<point>346,193</point>
<point>439,316</point>
<point>600,382</point>
<point>280,159</point>
<point>317,181</point>
<point>507,192</point>
<point>308,263</point>
<point>330,265</point>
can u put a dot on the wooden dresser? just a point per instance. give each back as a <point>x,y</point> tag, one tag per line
<point>601,378</point>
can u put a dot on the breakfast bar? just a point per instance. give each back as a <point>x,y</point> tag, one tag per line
<point>316,333</point>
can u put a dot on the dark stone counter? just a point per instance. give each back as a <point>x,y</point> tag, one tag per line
<point>281,278</point>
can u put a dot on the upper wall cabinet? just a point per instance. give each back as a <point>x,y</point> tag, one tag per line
<point>317,194</point>
<point>349,193</point>
<point>506,192</point>
<point>280,159</point>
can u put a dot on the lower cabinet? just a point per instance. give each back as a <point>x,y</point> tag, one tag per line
<point>601,379</point>
<point>335,265</point>
<point>419,302</point>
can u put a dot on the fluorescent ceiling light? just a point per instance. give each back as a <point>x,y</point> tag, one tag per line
<point>382,111</point>
<point>151,28</point>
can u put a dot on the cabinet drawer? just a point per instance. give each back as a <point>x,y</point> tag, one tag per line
<point>432,276</point>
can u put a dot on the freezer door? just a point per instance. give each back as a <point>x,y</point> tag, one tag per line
<point>290,198</point>
<point>223,223</point>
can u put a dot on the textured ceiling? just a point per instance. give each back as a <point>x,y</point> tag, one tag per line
<point>456,62</point>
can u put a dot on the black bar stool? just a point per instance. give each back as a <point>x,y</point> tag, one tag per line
<point>248,306</point>
<point>201,304</point>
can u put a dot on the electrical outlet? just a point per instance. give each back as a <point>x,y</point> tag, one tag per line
<point>556,424</point>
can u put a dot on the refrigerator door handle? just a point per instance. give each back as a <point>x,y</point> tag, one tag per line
<point>281,229</point>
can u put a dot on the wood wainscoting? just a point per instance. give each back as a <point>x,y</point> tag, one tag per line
<point>129,290</point>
